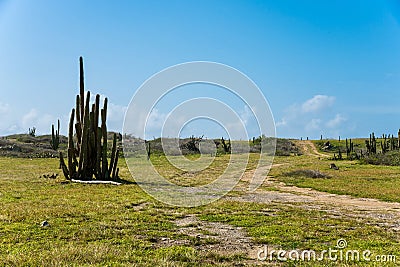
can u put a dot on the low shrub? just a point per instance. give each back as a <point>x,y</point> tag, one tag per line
<point>391,158</point>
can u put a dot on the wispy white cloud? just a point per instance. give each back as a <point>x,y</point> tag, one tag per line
<point>246,115</point>
<point>7,123</point>
<point>313,124</point>
<point>146,125</point>
<point>156,119</point>
<point>116,113</point>
<point>281,123</point>
<point>21,120</point>
<point>28,120</point>
<point>317,103</point>
<point>4,108</point>
<point>336,121</point>
<point>245,125</point>
<point>312,117</point>
<point>42,122</point>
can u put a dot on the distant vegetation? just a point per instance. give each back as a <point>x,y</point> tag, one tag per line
<point>384,150</point>
<point>190,145</point>
<point>284,147</point>
<point>27,146</point>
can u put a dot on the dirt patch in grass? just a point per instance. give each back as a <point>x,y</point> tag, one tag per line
<point>215,241</point>
<point>220,238</point>
<point>307,173</point>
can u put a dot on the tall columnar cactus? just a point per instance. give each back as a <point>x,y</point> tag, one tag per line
<point>87,154</point>
<point>398,139</point>
<point>340,154</point>
<point>393,143</point>
<point>55,136</point>
<point>349,147</point>
<point>148,149</point>
<point>384,144</point>
<point>371,144</point>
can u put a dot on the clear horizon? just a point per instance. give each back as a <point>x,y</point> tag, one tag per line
<point>330,68</point>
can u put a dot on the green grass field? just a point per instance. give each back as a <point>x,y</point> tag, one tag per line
<point>108,225</point>
<point>352,178</point>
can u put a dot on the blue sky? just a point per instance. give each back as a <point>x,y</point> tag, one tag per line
<point>325,67</point>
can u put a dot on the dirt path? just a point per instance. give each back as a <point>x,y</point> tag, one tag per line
<point>369,210</point>
<point>309,148</point>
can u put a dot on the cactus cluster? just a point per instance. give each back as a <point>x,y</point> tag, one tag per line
<point>339,156</point>
<point>388,143</point>
<point>226,145</point>
<point>193,144</point>
<point>349,147</point>
<point>55,136</point>
<point>87,154</point>
<point>32,132</point>
<point>385,144</point>
<point>371,144</point>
